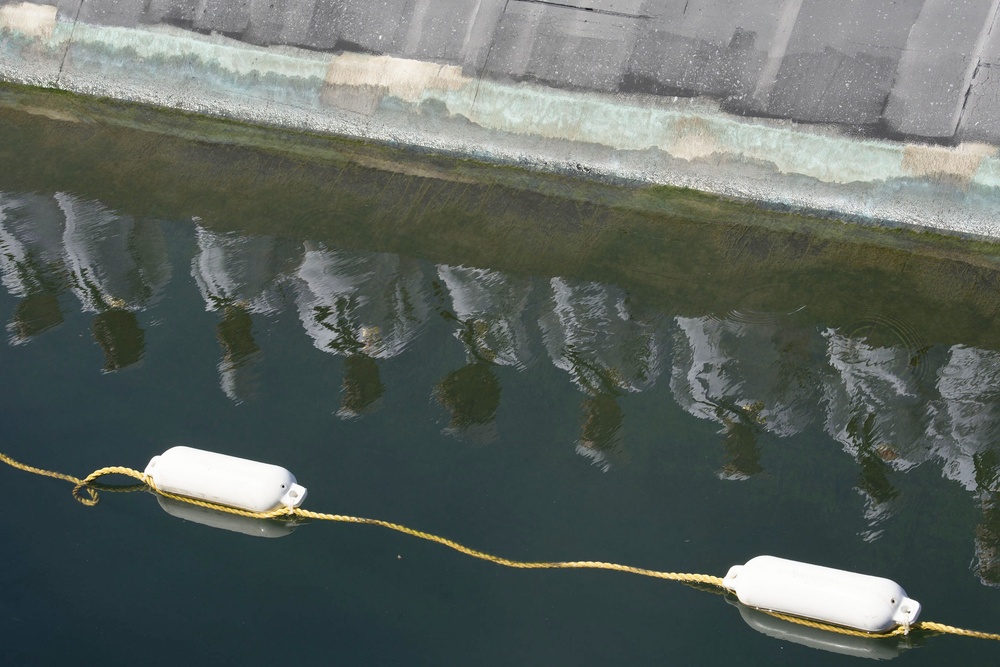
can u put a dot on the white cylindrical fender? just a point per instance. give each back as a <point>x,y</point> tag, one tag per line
<point>859,601</point>
<point>224,480</point>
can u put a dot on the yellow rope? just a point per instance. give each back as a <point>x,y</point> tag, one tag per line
<point>79,483</point>
<point>507,562</point>
<point>88,484</point>
<point>943,629</point>
<point>841,630</point>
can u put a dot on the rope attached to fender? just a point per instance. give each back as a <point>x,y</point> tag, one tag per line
<point>90,486</point>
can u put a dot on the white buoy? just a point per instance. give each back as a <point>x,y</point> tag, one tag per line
<point>859,601</point>
<point>224,480</point>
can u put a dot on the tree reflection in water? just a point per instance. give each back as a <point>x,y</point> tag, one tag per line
<point>33,262</point>
<point>487,309</point>
<point>888,406</point>
<point>360,304</point>
<point>591,332</point>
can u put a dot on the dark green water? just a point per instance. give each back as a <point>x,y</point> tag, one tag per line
<point>539,369</point>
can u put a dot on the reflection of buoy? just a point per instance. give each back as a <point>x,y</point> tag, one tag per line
<point>860,601</point>
<point>874,647</point>
<point>224,480</point>
<point>232,522</point>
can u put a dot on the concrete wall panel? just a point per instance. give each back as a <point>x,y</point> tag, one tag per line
<point>278,21</point>
<point>377,26</point>
<point>981,111</point>
<point>840,61</point>
<point>112,12</point>
<point>936,69</point>
<point>704,47</point>
<point>68,9</point>
<point>576,44</point>
<point>176,12</point>
<point>226,16</point>
<point>324,26</point>
<point>480,31</point>
<point>440,30</point>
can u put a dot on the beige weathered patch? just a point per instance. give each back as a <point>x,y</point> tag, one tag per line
<point>957,165</point>
<point>693,139</point>
<point>419,170</point>
<point>29,19</point>
<point>398,77</point>
<point>51,114</point>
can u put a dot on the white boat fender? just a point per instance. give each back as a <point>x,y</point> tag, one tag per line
<point>859,601</point>
<point>224,480</point>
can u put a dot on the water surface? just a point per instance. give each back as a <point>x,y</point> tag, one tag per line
<point>535,369</point>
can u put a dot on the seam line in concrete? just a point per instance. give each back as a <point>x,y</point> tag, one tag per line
<point>69,44</point>
<point>486,60</point>
<point>975,57</point>
<point>606,12</point>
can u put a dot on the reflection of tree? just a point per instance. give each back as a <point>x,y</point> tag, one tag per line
<point>988,542</point>
<point>472,395</point>
<point>871,454</point>
<point>750,377</point>
<point>987,467</point>
<point>964,433</point>
<point>32,262</point>
<point>740,426</point>
<point>592,334</point>
<point>362,386</point>
<point>964,419</point>
<point>240,353</point>
<point>241,276</point>
<point>487,308</point>
<point>601,434</point>
<point>877,409</point>
<point>360,305</point>
<point>235,334</point>
<point>36,313</point>
<point>601,437</point>
<point>117,267</point>
<point>118,333</point>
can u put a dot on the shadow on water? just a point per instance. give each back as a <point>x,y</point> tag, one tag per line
<point>468,289</point>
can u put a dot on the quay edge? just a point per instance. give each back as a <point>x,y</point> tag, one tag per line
<point>886,114</point>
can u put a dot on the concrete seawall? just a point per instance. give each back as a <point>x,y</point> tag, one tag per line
<point>866,110</point>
